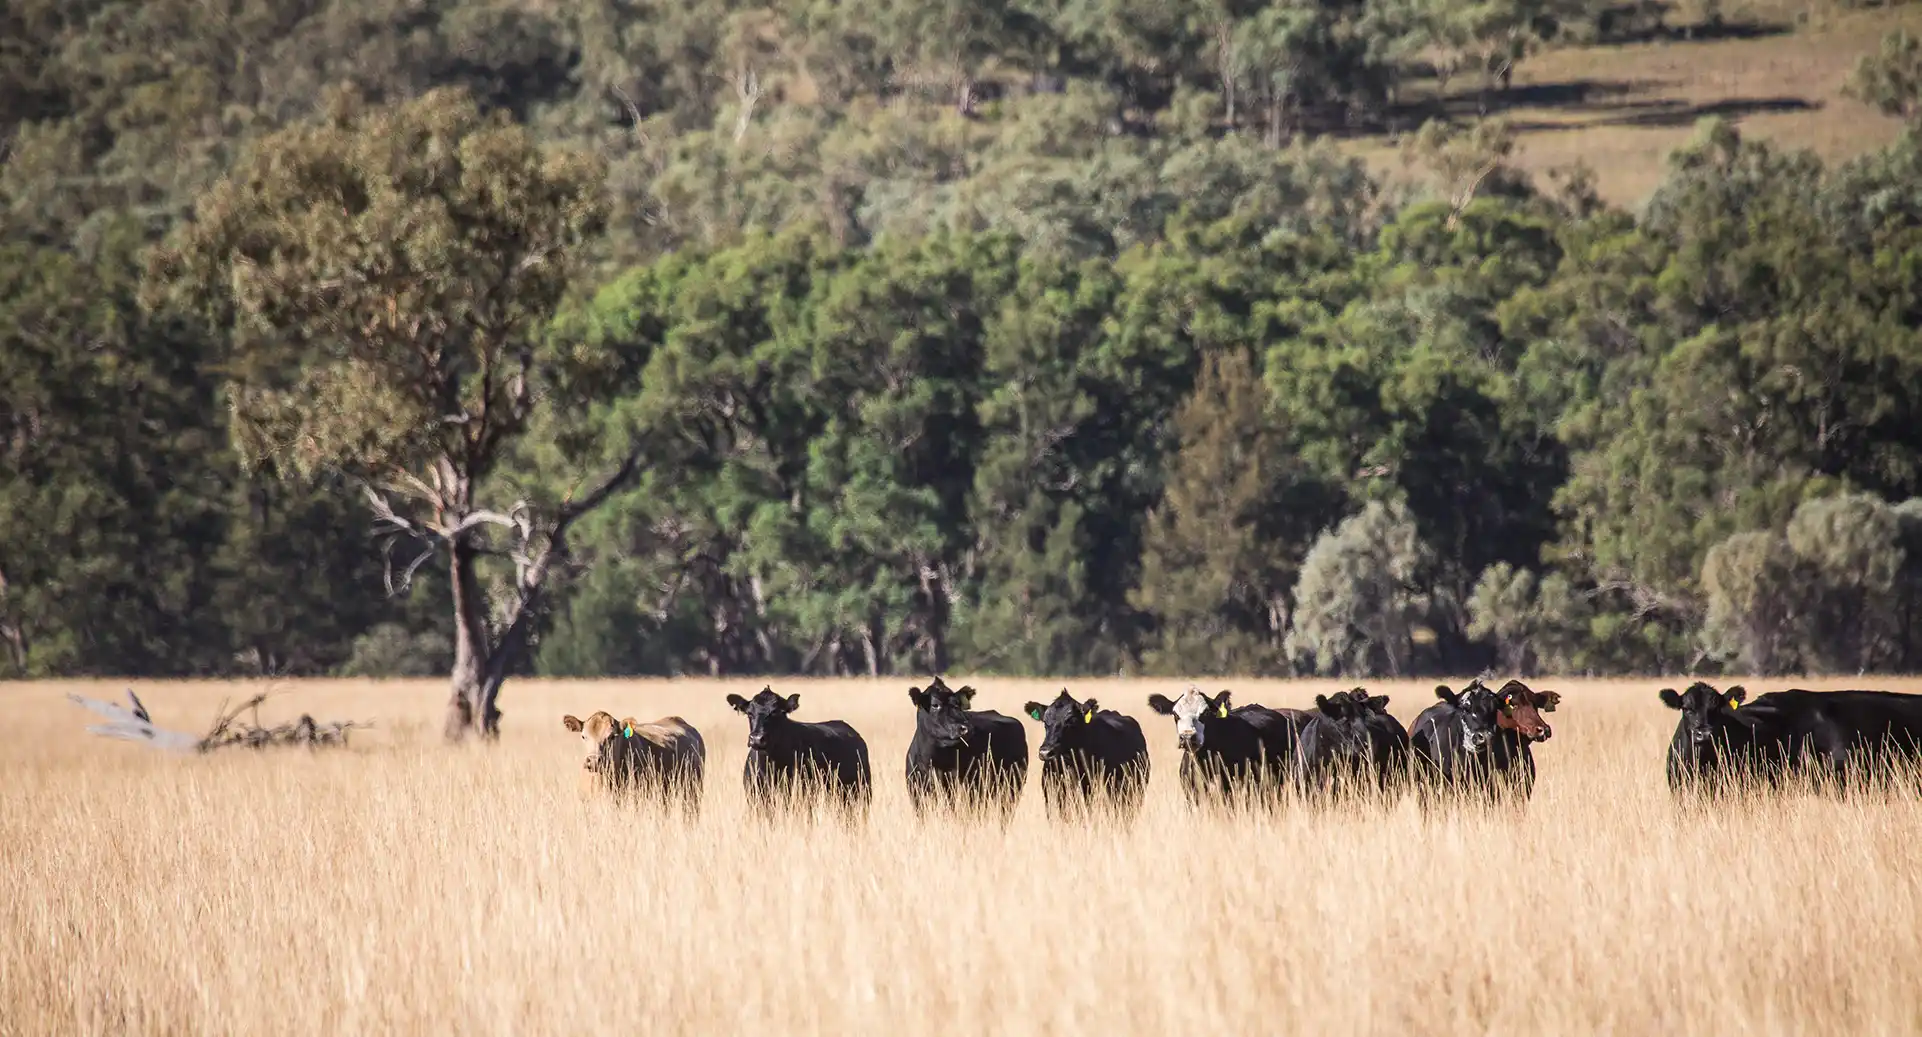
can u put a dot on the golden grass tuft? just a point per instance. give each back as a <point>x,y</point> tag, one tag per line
<point>402,886</point>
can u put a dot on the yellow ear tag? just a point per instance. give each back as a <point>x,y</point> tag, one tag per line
<point>1734,703</point>
<point>628,731</point>
<point>1088,717</point>
<point>1221,711</point>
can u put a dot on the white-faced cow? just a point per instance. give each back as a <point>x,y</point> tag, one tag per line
<point>963,758</point>
<point>1089,756</point>
<point>664,757</point>
<point>1231,751</point>
<point>800,762</point>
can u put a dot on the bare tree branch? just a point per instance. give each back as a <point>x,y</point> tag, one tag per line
<point>573,509</point>
<point>135,725</point>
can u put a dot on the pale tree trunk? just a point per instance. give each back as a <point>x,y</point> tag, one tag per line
<point>934,588</point>
<point>870,650</point>
<point>482,658</point>
<point>471,706</point>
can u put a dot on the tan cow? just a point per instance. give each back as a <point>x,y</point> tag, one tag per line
<point>666,757</point>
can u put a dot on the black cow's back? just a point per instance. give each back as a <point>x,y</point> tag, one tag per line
<point>1254,746</point>
<point>830,752</point>
<point>1840,728</point>
<point>1332,749</point>
<point>1109,763</point>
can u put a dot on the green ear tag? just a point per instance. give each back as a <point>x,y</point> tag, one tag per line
<point>1221,711</point>
<point>628,731</point>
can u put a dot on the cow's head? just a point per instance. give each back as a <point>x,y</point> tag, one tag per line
<point>1191,712</point>
<point>598,734</point>
<point>942,713</point>
<point>1345,714</point>
<point>1063,722</point>
<point>1522,709</point>
<point>1705,712</point>
<point>766,713</point>
<point>1477,710</point>
<point>1369,704</point>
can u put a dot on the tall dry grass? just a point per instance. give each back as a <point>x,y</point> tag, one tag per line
<point>406,887</point>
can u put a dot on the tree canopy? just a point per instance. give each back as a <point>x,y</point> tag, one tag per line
<point>611,337</point>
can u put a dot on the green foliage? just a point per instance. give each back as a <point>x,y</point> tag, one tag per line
<point>1018,338</point>
<point>1222,550</point>
<point>1891,78</point>
<point>1536,625</point>
<point>392,650</point>
<point>1365,603</point>
<point>1821,597</point>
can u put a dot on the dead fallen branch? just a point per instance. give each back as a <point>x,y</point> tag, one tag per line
<point>136,725</point>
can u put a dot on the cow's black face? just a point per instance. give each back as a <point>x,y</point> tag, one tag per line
<point>766,713</point>
<point>1706,714</point>
<point>943,713</point>
<point>1346,712</point>
<point>1062,722</point>
<point>1478,711</point>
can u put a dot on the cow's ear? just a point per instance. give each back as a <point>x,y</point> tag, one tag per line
<point>918,697</point>
<point>739,703</point>
<point>1447,694</point>
<point>1546,701</point>
<point>572,722</point>
<point>1223,702</point>
<point>1671,698</point>
<point>1378,702</point>
<point>627,727</point>
<point>794,702</point>
<point>1161,704</point>
<point>1088,710</point>
<point>1033,709</point>
<point>1321,703</point>
<point>965,696</point>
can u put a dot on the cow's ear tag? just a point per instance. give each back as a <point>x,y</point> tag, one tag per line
<point>1221,711</point>
<point>628,731</point>
<point>1734,703</point>
<point>1088,717</point>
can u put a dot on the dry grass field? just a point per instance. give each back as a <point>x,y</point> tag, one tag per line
<point>402,886</point>
<point>1777,73</point>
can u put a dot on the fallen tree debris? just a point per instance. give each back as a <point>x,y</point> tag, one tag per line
<point>136,725</point>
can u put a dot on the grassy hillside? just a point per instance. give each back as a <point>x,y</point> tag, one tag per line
<point>404,886</point>
<point>1777,71</point>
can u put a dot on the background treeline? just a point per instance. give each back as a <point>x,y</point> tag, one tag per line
<point>1024,337</point>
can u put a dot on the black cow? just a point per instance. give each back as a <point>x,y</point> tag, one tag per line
<point>1462,742</point>
<point>963,758</point>
<point>1088,754</point>
<point>1824,734</point>
<point>1351,734</point>
<point>1223,749</point>
<point>788,757</point>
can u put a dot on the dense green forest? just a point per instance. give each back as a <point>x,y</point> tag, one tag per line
<point>1024,336</point>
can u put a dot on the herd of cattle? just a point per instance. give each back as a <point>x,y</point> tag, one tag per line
<point>1475,741</point>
